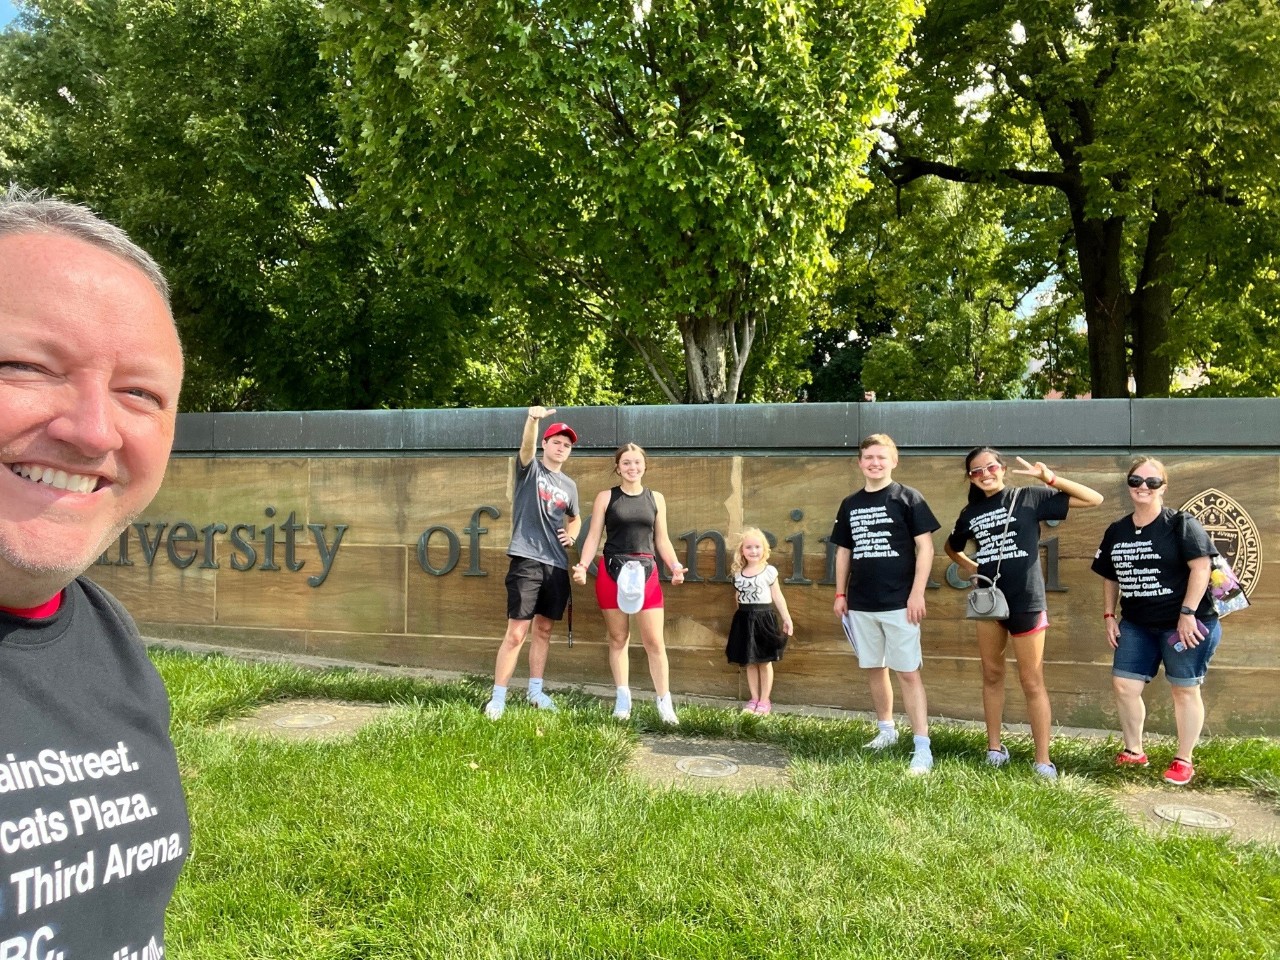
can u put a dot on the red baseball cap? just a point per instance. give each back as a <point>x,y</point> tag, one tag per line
<point>558,428</point>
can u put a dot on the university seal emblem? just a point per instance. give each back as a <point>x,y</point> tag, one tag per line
<point>1233,531</point>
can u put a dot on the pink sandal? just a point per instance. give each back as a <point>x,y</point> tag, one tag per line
<point>751,706</point>
<point>763,707</point>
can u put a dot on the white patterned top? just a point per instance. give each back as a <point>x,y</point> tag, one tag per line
<point>756,589</point>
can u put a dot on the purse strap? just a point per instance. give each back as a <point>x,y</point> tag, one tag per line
<point>1004,533</point>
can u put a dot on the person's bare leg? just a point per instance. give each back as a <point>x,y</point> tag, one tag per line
<point>618,628</point>
<point>914,702</point>
<point>1030,653</point>
<point>539,645</point>
<point>505,666</point>
<point>992,639</point>
<point>651,623</point>
<point>1132,710</point>
<point>881,692</point>
<point>766,682</point>
<point>1188,714</point>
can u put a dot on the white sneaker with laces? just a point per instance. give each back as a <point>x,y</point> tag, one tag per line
<point>543,702</point>
<point>494,710</point>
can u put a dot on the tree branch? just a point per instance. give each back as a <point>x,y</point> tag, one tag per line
<point>636,345</point>
<point>903,170</point>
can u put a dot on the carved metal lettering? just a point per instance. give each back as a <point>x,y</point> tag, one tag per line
<point>181,533</point>
<point>473,530</point>
<point>424,544</point>
<point>691,540</point>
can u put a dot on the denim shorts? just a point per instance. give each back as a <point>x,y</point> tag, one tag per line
<point>1143,649</point>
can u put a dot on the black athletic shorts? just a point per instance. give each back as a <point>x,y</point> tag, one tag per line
<point>534,587</point>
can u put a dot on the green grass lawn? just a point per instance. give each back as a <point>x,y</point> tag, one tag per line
<point>436,833</point>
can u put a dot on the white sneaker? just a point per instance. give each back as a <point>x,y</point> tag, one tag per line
<point>667,713</point>
<point>543,702</point>
<point>494,710</point>
<point>921,763</point>
<point>882,740</point>
<point>1046,770</point>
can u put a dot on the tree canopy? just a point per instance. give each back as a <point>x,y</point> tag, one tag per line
<point>1156,124</point>
<point>669,172</point>
<point>208,129</point>
<point>367,204</point>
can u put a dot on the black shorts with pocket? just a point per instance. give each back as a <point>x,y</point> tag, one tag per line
<point>535,588</point>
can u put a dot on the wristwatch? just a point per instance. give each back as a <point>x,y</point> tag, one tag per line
<point>1187,612</point>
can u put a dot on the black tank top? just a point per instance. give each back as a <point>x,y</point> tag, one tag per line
<point>629,522</point>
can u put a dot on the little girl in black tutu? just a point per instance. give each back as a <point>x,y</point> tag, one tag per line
<point>755,639</point>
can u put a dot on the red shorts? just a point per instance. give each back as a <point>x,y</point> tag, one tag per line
<point>607,589</point>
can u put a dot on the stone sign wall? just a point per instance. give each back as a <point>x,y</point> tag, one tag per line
<point>382,537</point>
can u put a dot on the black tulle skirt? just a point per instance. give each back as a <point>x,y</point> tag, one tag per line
<point>755,636</point>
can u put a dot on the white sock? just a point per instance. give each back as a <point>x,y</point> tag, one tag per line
<point>665,699</point>
<point>535,686</point>
<point>499,694</point>
<point>886,726</point>
<point>922,744</point>
<point>623,701</point>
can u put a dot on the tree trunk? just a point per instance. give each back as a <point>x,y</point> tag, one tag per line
<point>1099,251</point>
<point>715,354</point>
<point>1152,307</point>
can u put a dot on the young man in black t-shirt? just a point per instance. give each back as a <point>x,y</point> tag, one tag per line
<point>93,823</point>
<point>884,551</point>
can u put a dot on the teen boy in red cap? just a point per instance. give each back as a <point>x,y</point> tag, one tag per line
<point>545,520</point>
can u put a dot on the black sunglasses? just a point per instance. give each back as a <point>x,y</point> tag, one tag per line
<point>1153,483</point>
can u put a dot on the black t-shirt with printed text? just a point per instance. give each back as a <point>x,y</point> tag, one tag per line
<point>1018,552</point>
<point>879,528</point>
<point>1151,566</point>
<point>93,822</point>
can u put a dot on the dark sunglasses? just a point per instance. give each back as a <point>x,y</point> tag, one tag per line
<point>989,468</point>
<point>1153,483</point>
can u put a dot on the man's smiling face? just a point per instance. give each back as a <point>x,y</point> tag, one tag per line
<point>90,370</point>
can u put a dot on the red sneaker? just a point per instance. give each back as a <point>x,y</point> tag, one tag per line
<point>1179,773</point>
<point>1127,758</point>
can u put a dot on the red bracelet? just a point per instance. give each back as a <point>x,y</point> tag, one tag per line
<point>839,596</point>
<point>1053,479</point>
<point>1108,616</point>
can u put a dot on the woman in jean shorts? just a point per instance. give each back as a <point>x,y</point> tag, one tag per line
<point>1155,563</point>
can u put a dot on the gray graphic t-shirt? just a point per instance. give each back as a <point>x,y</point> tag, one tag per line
<point>539,505</point>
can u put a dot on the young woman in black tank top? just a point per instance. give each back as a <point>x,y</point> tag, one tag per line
<point>634,519</point>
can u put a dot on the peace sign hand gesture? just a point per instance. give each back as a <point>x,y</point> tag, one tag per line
<point>1038,470</point>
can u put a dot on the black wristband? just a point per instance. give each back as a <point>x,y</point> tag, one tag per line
<point>1187,612</point>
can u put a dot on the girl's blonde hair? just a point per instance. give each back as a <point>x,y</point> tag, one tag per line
<point>738,561</point>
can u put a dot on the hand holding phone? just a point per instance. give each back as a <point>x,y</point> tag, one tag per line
<point>1175,640</point>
